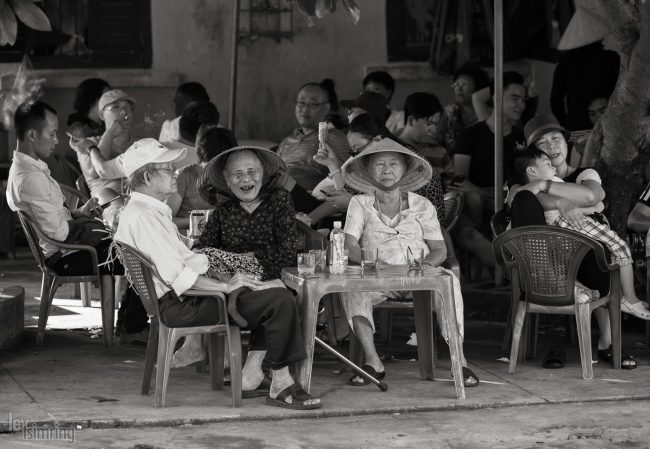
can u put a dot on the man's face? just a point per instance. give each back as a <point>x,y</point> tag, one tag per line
<point>424,129</point>
<point>378,88</point>
<point>119,111</point>
<point>311,107</point>
<point>542,169</point>
<point>463,89</point>
<point>163,179</point>
<point>514,102</point>
<point>45,139</point>
<point>554,146</point>
<point>596,109</point>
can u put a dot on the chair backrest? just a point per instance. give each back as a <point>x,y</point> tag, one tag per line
<point>546,260</point>
<point>308,236</point>
<point>453,201</point>
<point>73,197</point>
<point>83,186</point>
<point>32,239</point>
<point>140,273</point>
<point>499,222</point>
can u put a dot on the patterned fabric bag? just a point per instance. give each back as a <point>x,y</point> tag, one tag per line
<point>227,264</point>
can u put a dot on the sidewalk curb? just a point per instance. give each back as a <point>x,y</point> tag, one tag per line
<point>177,422</point>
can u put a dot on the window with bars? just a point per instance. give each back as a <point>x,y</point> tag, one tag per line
<point>87,33</point>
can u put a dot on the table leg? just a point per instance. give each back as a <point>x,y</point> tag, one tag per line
<point>455,345</point>
<point>422,309</point>
<point>309,314</point>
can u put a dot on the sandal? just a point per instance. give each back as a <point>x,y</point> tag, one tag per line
<point>627,361</point>
<point>363,381</point>
<point>298,398</point>
<point>263,389</point>
<point>555,358</point>
<point>469,378</point>
<point>637,309</point>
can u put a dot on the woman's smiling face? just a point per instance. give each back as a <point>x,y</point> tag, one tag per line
<point>244,174</point>
<point>554,145</point>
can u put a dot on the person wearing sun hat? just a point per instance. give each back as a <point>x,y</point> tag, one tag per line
<point>581,189</point>
<point>393,219</point>
<point>258,221</point>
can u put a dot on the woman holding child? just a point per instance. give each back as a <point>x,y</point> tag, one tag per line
<point>573,201</point>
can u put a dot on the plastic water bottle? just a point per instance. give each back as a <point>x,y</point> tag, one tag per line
<point>337,237</point>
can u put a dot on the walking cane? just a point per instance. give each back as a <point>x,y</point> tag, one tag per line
<point>383,386</point>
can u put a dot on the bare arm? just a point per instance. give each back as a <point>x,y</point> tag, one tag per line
<point>354,250</point>
<point>437,254</point>
<point>480,100</point>
<point>639,219</point>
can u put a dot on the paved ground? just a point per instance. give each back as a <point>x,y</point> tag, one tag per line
<point>73,383</point>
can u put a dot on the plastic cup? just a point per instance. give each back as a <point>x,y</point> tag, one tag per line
<point>415,258</point>
<point>321,258</point>
<point>368,259</point>
<point>306,263</point>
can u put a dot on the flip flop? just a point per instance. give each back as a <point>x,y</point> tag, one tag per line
<point>555,358</point>
<point>370,370</point>
<point>606,355</point>
<point>263,389</point>
<point>470,379</point>
<point>298,398</point>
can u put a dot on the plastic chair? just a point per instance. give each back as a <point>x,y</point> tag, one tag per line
<point>543,262</point>
<point>453,201</point>
<point>162,339</point>
<point>52,280</point>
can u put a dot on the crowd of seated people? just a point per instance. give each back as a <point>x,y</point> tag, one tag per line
<point>381,171</point>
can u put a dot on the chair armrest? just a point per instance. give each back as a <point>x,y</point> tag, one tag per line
<point>63,245</point>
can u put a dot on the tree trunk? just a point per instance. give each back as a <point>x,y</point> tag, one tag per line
<point>618,146</point>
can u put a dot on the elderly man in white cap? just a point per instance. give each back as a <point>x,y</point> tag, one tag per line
<point>146,224</point>
<point>98,158</point>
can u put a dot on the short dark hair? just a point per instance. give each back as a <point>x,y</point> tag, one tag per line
<point>30,115</point>
<point>193,91</point>
<point>194,115</point>
<point>421,105</point>
<point>329,89</point>
<point>211,141</point>
<point>380,77</point>
<point>509,78</point>
<point>88,92</point>
<point>471,70</point>
<point>524,159</point>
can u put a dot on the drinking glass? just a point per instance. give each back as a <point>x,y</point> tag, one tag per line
<point>321,258</point>
<point>306,263</point>
<point>369,259</point>
<point>415,258</point>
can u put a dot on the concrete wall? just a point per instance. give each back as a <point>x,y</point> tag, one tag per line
<point>192,42</point>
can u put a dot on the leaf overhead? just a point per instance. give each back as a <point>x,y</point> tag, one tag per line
<point>31,15</point>
<point>8,24</point>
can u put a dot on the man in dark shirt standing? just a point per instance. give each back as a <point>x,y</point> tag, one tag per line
<point>474,152</point>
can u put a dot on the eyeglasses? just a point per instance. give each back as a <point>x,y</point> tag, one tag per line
<point>305,105</point>
<point>170,170</point>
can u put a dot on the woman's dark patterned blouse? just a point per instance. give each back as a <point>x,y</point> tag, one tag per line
<point>269,232</point>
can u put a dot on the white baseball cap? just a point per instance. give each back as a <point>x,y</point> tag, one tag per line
<point>147,151</point>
